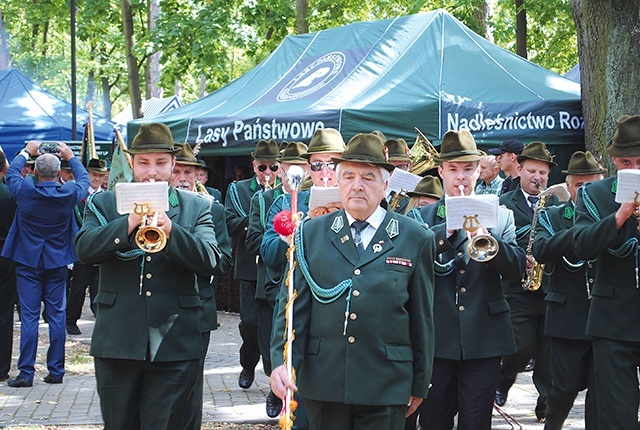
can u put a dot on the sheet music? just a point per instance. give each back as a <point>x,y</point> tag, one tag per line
<point>484,207</point>
<point>323,196</point>
<point>153,194</point>
<point>628,186</point>
<point>401,180</point>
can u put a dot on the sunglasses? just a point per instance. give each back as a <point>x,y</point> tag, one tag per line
<point>263,168</point>
<point>317,166</point>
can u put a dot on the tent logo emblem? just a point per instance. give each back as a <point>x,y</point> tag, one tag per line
<point>315,76</point>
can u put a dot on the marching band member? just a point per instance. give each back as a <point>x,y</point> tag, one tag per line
<point>237,205</point>
<point>362,360</point>
<point>608,232</point>
<point>570,283</point>
<point>471,314</point>
<point>146,341</point>
<point>527,307</point>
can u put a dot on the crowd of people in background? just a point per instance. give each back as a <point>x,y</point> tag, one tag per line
<point>397,324</point>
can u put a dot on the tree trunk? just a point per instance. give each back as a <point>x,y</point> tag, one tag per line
<point>521,29</point>
<point>482,14</point>
<point>608,40</point>
<point>152,72</point>
<point>302,15</point>
<point>5,54</point>
<point>132,65</point>
<point>106,93</point>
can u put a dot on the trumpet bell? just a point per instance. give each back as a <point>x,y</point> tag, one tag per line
<point>151,238</point>
<point>482,248</point>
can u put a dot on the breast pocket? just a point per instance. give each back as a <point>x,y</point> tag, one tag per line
<point>603,290</point>
<point>105,298</point>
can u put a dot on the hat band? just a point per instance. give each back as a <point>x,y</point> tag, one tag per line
<point>625,144</point>
<point>325,148</point>
<point>459,153</point>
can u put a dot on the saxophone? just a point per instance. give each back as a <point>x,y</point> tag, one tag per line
<point>532,278</point>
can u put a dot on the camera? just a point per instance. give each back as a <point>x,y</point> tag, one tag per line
<point>48,148</point>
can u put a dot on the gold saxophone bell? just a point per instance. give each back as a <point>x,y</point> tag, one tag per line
<point>150,238</point>
<point>482,247</point>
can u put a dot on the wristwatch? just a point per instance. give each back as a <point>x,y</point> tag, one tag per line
<point>26,154</point>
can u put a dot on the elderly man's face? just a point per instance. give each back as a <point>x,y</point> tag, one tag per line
<point>156,166</point>
<point>488,168</point>
<point>202,175</point>
<point>183,177</point>
<point>361,188</point>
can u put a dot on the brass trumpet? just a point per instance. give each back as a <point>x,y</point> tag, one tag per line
<point>150,238</point>
<point>481,247</point>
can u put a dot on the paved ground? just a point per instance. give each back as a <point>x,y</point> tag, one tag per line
<point>76,401</point>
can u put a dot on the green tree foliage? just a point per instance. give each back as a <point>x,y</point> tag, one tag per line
<point>222,40</point>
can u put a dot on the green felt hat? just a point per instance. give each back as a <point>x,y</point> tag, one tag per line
<point>325,140</point>
<point>537,151</point>
<point>152,137</point>
<point>429,186</point>
<point>583,163</point>
<point>186,156</point>
<point>293,153</point>
<point>626,139</point>
<point>365,148</point>
<point>459,146</point>
<point>397,150</point>
<point>266,151</point>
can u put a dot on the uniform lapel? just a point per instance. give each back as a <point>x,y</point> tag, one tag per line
<point>521,203</point>
<point>341,237</point>
<point>382,241</point>
<point>172,212</point>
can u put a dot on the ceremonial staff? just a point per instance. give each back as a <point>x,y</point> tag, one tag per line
<point>286,223</point>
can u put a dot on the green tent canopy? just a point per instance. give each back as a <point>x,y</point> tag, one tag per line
<point>426,70</point>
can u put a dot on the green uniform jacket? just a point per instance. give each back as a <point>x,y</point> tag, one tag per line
<point>615,300</point>
<point>147,307</point>
<point>515,201</point>
<point>258,221</point>
<point>209,311</point>
<point>237,205</point>
<point>570,280</point>
<point>386,353</point>
<point>470,311</point>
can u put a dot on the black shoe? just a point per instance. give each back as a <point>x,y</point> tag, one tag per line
<point>274,405</point>
<point>246,378</point>
<point>19,382</point>
<point>4,378</point>
<point>49,379</point>
<point>501,398</point>
<point>531,364</point>
<point>73,329</point>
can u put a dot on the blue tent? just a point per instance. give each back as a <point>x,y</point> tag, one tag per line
<point>29,112</point>
<point>426,70</point>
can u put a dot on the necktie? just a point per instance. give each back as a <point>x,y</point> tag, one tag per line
<point>358,226</point>
<point>532,202</point>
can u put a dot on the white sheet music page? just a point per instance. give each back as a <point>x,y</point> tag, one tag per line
<point>628,186</point>
<point>323,196</point>
<point>401,180</point>
<point>481,209</point>
<point>153,196</point>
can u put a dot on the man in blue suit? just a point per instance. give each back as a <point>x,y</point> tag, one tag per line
<point>40,241</point>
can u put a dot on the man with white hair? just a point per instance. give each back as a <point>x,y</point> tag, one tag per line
<point>364,362</point>
<point>41,243</point>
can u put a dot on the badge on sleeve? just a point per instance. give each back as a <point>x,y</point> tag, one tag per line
<point>568,212</point>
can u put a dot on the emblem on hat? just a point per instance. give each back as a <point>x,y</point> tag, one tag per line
<point>537,151</point>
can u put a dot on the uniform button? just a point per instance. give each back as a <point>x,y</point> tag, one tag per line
<point>351,339</point>
<point>356,272</point>
<point>353,316</point>
<point>149,275</point>
<point>590,265</point>
<point>459,254</point>
<point>591,280</point>
<point>463,290</point>
<point>461,308</point>
<point>116,240</point>
<point>245,229</point>
<point>356,293</point>
<point>462,271</point>
<point>148,293</point>
<point>148,258</point>
<point>441,242</point>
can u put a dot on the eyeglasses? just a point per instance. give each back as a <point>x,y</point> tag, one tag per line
<point>263,168</point>
<point>317,166</point>
<point>403,166</point>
